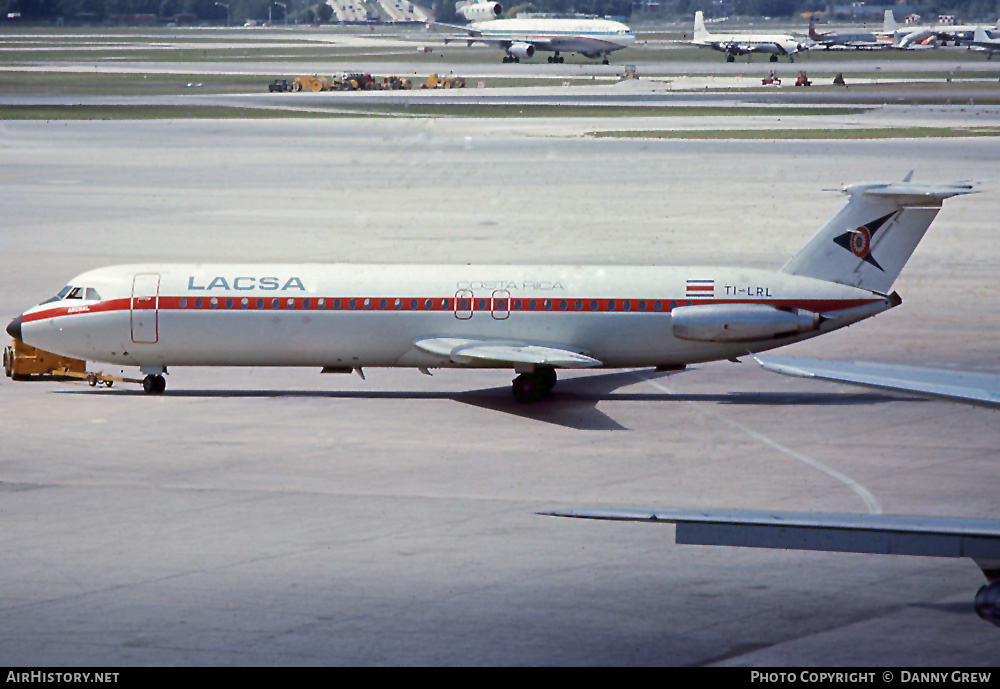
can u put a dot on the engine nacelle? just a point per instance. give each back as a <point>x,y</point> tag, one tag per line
<point>478,11</point>
<point>522,51</point>
<point>988,602</point>
<point>739,322</point>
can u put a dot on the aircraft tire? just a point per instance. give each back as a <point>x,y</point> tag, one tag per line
<point>546,377</point>
<point>154,385</point>
<point>528,388</point>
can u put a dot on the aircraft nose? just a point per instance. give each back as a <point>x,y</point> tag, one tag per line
<point>14,328</point>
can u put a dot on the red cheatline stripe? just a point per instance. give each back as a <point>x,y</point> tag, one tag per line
<point>441,305</point>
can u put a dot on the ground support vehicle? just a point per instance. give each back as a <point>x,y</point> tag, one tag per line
<point>436,82</point>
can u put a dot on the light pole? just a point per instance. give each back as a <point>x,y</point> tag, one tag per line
<point>226,5</point>
<point>285,8</point>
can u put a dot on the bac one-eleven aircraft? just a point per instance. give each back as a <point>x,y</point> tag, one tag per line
<point>531,318</point>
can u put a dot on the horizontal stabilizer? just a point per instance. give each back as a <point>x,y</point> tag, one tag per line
<point>961,386</point>
<point>472,352</point>
<point>912,194</point>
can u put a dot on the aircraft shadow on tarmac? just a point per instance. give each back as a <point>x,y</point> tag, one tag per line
<point>573,403</point>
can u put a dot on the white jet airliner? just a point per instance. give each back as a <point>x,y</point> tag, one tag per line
<point>533,319</point>
<point>522,38</point>
<point>733,44</point>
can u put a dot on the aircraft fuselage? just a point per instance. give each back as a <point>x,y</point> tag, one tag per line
<point>350,316</point>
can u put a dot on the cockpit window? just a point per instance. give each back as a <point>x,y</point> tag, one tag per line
<point>70,292</point>
<point>62,295</point>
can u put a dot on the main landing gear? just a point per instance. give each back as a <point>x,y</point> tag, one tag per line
<point>529,387</point>
<point>510,58</point>
<point>556,58</point>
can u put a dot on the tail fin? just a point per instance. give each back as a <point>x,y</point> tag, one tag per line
<point>700,32</point>
<point>812,29</point>
<point>869,240</point>
<point>889,23</point>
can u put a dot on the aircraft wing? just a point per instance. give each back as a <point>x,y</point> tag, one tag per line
<point>847,533</point>
<point>471,352</point>
<point>961,386</point>
<point>879,534</point>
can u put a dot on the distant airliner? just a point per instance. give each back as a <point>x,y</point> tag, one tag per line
<point>531,318</point>
<point>520,38</point>
<point>858,40</point>
<point>733,44</point>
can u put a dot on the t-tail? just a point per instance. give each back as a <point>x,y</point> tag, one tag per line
<point>868,241</point>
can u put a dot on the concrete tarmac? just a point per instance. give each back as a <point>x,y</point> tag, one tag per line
<point>283,517</point>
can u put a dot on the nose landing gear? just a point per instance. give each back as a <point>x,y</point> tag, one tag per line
<point>154,385</point>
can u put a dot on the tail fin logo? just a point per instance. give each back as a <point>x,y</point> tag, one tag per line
<point>859,241</point>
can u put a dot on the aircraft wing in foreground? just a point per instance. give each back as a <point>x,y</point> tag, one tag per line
<point>881,534</point>
<point>961,386</point>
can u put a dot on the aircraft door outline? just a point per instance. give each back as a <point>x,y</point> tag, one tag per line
<point>144,308</point>
<point>500,304</point>
<point>463,304</point>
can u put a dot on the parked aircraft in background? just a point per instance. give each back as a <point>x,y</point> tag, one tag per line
<point>531,318</point>
<point>982,41</point>
<point>908,36</point>
<point>733,44</point>
<point>880,534</point>
<point>520,38</point>
<point>858,40</point>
